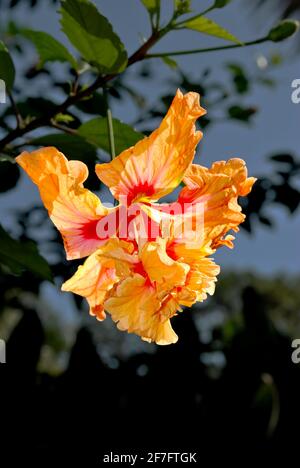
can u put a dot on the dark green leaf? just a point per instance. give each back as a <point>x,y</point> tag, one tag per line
<point>95,131</point>
<point>207,26</point>
<point>283,30</point>
<point>22,256</point>
<point>33,107</point>
<point>48,48</point>
<point>221,3</point>
<point>93,36</point>
<point>182,7</point>
<point>73,146</point>
<point>95,104</point>
<point>7,68</point>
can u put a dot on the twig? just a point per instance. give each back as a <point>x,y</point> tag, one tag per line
<point>209,49</point>
<point>16,109</point>
<point>63,128</point>
<point>45,119</point>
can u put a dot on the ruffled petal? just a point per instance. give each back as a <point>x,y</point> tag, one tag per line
<point>74,210</point>
<point>203,271</point>
<point>162,269</point>
<point>100,272</point>
<point>134,306</point>
<point>218,188</point>
<point>156,165</point>
<point>93,280</point>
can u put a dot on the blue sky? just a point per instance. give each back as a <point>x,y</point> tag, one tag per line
<point>276,128</point>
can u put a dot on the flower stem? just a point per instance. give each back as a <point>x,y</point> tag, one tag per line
<point>209,49</point>
<point>110,127</point>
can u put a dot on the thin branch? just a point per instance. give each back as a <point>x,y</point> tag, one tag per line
<point>209,49</point>
<point>63,128</point>
<point>46,118</point>
<point>15,109</point>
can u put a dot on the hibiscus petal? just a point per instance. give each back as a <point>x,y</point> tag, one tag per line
<point>93,280</point>
<point>74,210</point>
<point>160,268</point>
<point>134,306</point>
<point>100,272</point>
<point>202,274</point>
<point>218,188</point>
<point>156,165</point>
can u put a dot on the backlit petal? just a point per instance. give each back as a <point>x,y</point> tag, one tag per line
<point>74,210</point>
<point>134,307</point>
<point>162,269</point>
<point>93,280</point>
<point>156,165</point>
<point>218,188</point>
<point>202,274</point>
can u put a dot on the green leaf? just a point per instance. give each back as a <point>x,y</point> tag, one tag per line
<point>152,6</point>
<point>92,35</point>
<point>94,104</point>
<point>64,118</point>
<point>48,48</point>
<point>73,146</point>
<point>207,26</point>
<point>22,256</point>
<point>182,7</point>
<point>96,132</point>
<point>283,30</point>
<point>221,3</point>
<point>170,62</point>
<point>7,68</point>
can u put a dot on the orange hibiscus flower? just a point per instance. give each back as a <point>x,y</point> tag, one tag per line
<point>145,260</point>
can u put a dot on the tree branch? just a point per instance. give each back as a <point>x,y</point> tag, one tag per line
<point>46,118</point>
